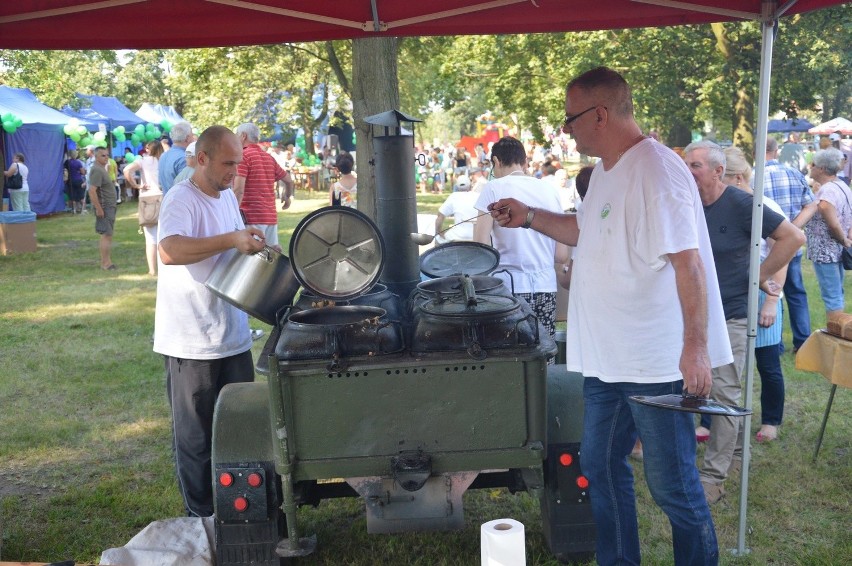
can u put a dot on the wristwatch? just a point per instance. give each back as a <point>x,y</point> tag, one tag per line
<point>530,215</point>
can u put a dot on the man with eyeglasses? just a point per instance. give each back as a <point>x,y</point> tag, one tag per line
<point>645,318</point>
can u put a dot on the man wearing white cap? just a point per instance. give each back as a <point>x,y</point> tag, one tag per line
<point>191,162</point>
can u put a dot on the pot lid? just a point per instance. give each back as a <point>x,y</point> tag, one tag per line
<point>337,252</point>
<point>691,404</point>
<point>457,258</point>
<point>453,284</point>
<point>457,306</point>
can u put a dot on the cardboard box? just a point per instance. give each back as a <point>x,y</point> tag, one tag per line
<point>17,238</point>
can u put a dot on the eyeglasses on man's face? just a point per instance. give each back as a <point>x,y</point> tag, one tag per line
<point>570,119</point>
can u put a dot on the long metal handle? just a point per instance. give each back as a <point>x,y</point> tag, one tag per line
<point>469,219</point>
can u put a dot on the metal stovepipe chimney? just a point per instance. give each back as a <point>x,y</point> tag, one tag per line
<point>396,200</point>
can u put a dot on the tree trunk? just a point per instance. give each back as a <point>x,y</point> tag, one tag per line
<point>742,118</point>
<point>375,89</point>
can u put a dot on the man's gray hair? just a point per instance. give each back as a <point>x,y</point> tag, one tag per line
<point>180,132</point>
<point>715,155</point>
<point>829,160</point>
<point>251,131</point>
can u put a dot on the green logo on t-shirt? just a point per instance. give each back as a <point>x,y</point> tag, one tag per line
<point>605,210</point>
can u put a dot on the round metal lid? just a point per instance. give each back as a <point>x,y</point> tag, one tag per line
<point>457,258</point>
<point>457,306</point>
<point>337,252</point>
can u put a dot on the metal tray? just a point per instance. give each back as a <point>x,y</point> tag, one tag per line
<point>691,404</point>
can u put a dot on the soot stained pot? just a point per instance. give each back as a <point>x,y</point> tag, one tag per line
<point>378,296</point>
<point>338,255</point>
<point>338,332</point>
<point>445,287</point>
<point>474,324</point>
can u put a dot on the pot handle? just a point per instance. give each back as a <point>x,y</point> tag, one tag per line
<point>533,320</point>
<point>511,279</point>
<point>282,314</point>
<point>267,254</point>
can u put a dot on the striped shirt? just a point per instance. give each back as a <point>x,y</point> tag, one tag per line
<point>788,188</point>
<point>260,172</point>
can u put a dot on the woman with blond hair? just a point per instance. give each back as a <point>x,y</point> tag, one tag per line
<point>767,346</point>
<point>148,164</point>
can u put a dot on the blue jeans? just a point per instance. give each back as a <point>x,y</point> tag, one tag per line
<point>768,361</point>
<point>610,427</point>
<point>830,278</point>
<point>797,302</point>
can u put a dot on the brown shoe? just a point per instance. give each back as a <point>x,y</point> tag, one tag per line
<point>713,492</point>
<point>736,468</point>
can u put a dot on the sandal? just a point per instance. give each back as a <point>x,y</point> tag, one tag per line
<point>111,267</point>
<point>767,433</point>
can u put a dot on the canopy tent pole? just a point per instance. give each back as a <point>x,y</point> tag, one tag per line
<point>295,14</point>
<point>768,23</point>
<point>67,10</point>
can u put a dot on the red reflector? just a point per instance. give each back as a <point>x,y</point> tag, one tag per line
<point>582,482</point>
<point>255,479</point>
<point>240,504</point>
<point>226,479</point>
<point>566,459</point>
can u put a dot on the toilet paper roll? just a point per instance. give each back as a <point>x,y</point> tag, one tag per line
<point>502,543</point>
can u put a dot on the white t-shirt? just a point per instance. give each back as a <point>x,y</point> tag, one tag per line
<point>190,321</point>
<point>25,174</point>
<point>625,322</point>
<point>461,206</point>
<point>527,254</point>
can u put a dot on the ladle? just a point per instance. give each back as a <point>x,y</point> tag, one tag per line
<point>426,239</point>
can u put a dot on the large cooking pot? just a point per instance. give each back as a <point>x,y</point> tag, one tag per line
<point>378,296</point>
<point>473,323</point>
<point>337,332</point>
<point>260,284</point>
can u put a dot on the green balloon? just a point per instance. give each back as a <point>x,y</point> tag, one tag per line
<point>139,129</point>
<point>7,117</point>
<point>135,139</point>
<point>82,130</point>
<point>75,136</point>
<point>166,125</point>
<point>18,122</point>
<point>99,136</point>
<point>10,126</point>
<point>68,129</point>
<point>120,137</point>
<point>129,157</point>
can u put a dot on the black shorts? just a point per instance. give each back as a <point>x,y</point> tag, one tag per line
<point>77,191</point>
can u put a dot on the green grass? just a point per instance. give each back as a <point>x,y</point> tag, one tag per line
<point>85,461</point>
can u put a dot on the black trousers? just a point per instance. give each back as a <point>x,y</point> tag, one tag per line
<point>193,387</point>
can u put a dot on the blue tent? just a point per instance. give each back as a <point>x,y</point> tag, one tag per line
<point>42,142</point>
<point>794,125</point>
<point>156,113</point>
<point>106,110</point>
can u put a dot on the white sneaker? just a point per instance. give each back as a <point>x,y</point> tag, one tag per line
<point>256,334</point>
